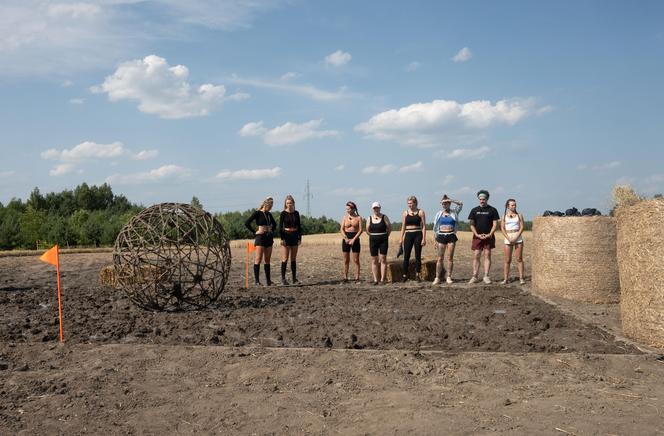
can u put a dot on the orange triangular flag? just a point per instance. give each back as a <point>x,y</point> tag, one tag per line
<point>250,247</point>
<point>51,256</point>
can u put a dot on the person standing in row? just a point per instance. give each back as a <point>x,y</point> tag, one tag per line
<point>444,229</point>
<point>378,229</point>
<point>512,227</point>
<point>290,231</point>
<point>264,232</point>
<point>413,235</point>
<point>351,229</point>
<point>483,223</point>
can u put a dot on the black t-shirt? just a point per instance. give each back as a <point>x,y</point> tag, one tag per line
<point>483,218</point>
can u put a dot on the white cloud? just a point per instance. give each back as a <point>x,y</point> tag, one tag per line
<point>288,133</point>
<point>162,90</point>
<point>338,58</point>
<point>413,168</point>
<point>467,153</point>
<point>428,124</point>
<point>304,90</point>
<point>384,169</point>
<point>462,55</point>
<point>449,178</point>
<point>42,37</point>
<point>77,100</point>
<point>244,174</point>
<point>353,192</point>
<point>62,169</point>
<point>413,66</point>
<point>340,167</point>
<point>87,151</point>
<point>600,167</point>
<point>289,76</point>
<point>163,173</point>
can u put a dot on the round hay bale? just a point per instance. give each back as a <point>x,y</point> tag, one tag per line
<point>575,258</point>
<point>640,254</point>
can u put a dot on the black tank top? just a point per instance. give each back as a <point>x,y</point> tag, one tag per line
<point>380,227</point>
<point>413,220</point>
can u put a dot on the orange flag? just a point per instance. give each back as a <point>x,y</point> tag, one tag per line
<point>250,247</point>
<point>52,256</point>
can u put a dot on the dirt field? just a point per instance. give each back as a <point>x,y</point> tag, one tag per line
<point>321,358</point>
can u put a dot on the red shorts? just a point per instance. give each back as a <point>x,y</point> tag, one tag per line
<point>481,244</point>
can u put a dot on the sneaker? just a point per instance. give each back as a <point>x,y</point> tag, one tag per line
<point>375,283</point>
<point>436,281</point>
<point>503,282</point>
<point>284,282</point>
<point>418,277</point>
<point>296,282</point>
<point>522,281</point>
<point>473,279</point>
<point>449,280</point>
<point>404,278</point>
<point>258,284</point>
<point>486,280</point>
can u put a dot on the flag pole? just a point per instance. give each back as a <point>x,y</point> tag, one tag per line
<point>57,270</point>
<point>246,274</point>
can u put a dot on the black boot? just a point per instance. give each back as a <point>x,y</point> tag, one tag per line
<point>266,268</point>
<point>283,274</point>
<point>293,268</point>
<point>257,271</point>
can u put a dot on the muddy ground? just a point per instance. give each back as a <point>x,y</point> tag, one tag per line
<point>324,357</point>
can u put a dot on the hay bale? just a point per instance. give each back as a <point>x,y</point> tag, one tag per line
<point>107,276</point>
<point>624,195</point>
<point>640,254</point>
<point>395,270</point>
<point>575,258</point>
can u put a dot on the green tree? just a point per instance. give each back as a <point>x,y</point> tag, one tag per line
<point>196,202</point>
<point>31,222</point>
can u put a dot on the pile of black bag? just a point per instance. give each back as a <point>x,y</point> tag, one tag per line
<point>591,211</point>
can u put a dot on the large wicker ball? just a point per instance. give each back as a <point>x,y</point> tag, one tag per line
<point>172,256</point>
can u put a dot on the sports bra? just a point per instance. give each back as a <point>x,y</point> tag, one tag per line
<point>512,223</point>
<point>379,227</point>
<point>413,220</point>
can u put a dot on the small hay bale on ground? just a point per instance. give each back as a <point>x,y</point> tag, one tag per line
<point>107,276</point>
<point>575,258</point>
<point>395,270</point>
<point>640,256</point>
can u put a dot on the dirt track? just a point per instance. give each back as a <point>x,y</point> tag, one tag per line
<point>124,369</point>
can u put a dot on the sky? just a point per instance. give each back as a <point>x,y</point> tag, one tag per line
<point>234,100</point>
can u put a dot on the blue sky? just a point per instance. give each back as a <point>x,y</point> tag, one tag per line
<point>231,101</point>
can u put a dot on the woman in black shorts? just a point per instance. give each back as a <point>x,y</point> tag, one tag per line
<point>378,229</point>
<point>290,231</point>
<point>351,229</point>
<point>264,232</point>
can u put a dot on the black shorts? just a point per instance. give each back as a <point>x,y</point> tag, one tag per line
<point>346,248</point>
<point>264,240</point>
<point>446,238</point>
<point>290,239</point>
<point>378,244</point>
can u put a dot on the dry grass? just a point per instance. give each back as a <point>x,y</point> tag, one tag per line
<point>624,195</point>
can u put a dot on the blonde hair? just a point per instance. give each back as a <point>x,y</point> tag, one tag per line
<point>266,201</point>
<point>289,197</point>
<point>413,199</point>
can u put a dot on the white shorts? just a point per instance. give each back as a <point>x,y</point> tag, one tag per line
<point>517,242</point>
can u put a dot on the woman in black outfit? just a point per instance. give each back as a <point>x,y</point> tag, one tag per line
<point>413,234</point>
<point>378,229</point>
<point>265,226</point>
<point>290,231</point>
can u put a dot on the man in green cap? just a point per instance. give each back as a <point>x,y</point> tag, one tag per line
<point>483,223</point>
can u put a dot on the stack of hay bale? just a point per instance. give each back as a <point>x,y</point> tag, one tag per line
<point>606,260</point>
<point>395,270</point>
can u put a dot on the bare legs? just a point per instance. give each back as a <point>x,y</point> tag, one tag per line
<point>379,268</point>
<point>518,251</point>
<point>477,254</point>
<point>356,262</point>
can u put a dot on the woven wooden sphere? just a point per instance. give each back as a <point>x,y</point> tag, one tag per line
<point>172,256</point>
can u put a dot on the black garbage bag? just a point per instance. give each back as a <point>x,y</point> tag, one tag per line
<point>589,211</point>
<point>572,212</point>
<point>557,213</point>
<point>547,213</point>
<point>598,213</point>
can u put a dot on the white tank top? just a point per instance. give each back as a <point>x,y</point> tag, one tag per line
<point>512,223</point>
